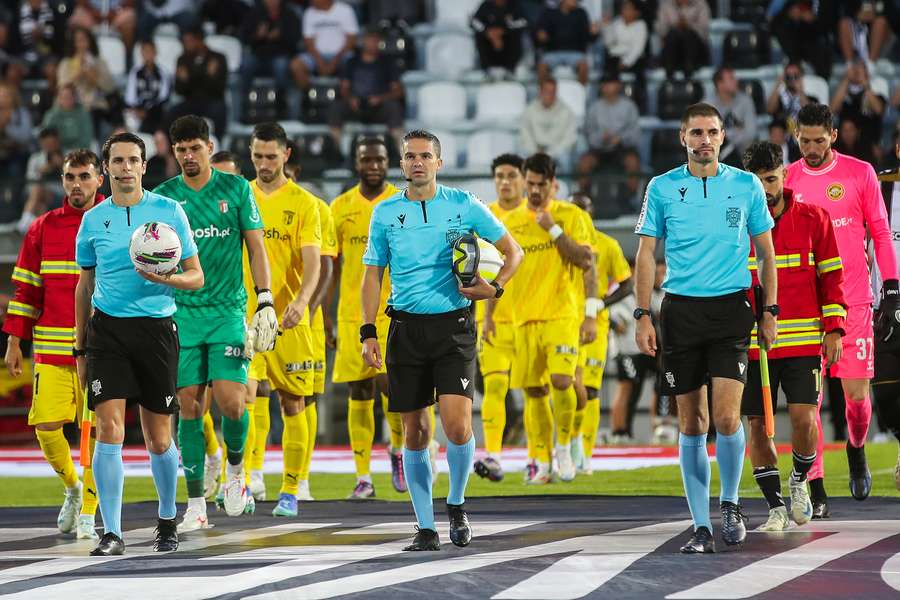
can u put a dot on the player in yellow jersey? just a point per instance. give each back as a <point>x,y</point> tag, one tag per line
<point>496,345</point>
<point>293,238</point>
<point>352,212</point>
<point>610,268</point>
<point>555,237</point>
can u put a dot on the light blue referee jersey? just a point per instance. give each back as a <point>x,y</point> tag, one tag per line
<point>707,223</point>
<point>415,238</point>
<point>102,243</point>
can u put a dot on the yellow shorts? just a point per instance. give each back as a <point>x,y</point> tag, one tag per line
<point>56,394</point>
<point>318,339</point>
<point>289,367</point>
<point>497,354</point>
<point>545,348</point>
<point>348,362</point>
<point>592,357</point>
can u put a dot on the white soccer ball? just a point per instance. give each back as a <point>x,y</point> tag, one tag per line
<point>473,255</point>
<point>155,248</point>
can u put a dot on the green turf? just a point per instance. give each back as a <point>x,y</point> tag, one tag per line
<point>655,481</point>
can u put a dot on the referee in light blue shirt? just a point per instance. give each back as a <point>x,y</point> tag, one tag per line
<point>431,341</point>
<point>707,213</point>
<point>124,329</point>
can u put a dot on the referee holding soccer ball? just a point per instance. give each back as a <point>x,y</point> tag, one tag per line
<point>431,339</point>
<point>129,339</point>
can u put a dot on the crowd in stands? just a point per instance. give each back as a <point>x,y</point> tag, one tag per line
<point>62,86</point>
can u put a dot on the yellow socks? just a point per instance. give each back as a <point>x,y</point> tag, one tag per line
<point>209,434</point>
<point>590,425</point>
<point>564,403</point>
<point>395,423</point>
<point>294,442</point>
<point>361,425</point>
<point>542,427</point>
<point>579,419</point>
<point>250,442</point>
<point>58,454</point>
<point>493,411</point>
<point>263,422</point>
<point>312,425</point>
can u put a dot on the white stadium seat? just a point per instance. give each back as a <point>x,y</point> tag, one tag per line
<point>502,101</point>
<point>442,102</point>
<point>816,87</point>
<point>484,145</point>
<point>168,49</point>
<point>449,149</point>
<point>483,188</point>
<point>574,95</point>
<point>455,13</point>
<point>881,87</point>
<point>449,54</point>
<point>149,143</point>
<point>113,52</point>
<point>229,46</point>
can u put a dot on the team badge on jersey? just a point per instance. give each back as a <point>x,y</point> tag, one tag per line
<point>835,191</point>
<point>288,216</point>
<point>733,216</point>
<point>223,206</point>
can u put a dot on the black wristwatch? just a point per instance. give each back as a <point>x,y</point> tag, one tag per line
<point>773,309</point>
<point>78,353</point>
<point>499,289</point>
<point>640,312</point>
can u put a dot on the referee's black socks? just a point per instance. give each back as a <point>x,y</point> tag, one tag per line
<point>769,482</point>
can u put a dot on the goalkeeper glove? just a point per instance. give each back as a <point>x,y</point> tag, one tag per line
<point>887,322</point>
<point>265,322</point>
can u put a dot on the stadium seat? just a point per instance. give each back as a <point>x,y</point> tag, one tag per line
<point>442,102</point>
<point>881,87</point>
<point>754,89</point>
<point>168,49</point>
<point>317,100</point>
<point>113,52</point>
<point>150,144</point>
<point>37,101</point>
<point>483,146</point>
<point>574,95</point>
<point>665,150</point>
<point>483,188</point>
<point>449,54</point>
<point>11,199</point>
<point>398,45</point>
<point>260,105</point>
<point>636,93</point>
<point>230,47</point>
<point>816,87</point>
<point>455,13</point>
<point>502,101</point>
<point>318,152</point>
<point>749,11</point>
<point>745,49</point>
<point>674,96</point>
<point>449,149</point>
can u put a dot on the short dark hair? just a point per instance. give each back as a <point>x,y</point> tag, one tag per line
<point>189,127</point>
<point>581,194</point>
<point>126,137</point>
<point>778,122</point>
<point>816,114</point>
<point>700,109</point>
<point>225,156</point>
<point>513,160</point>
<point>369,140</point>
<point>48,132</point>
<point>422,134</point>
<point>762,156</point>
<point>270,131</point>
<point>720,73</point>
<point>82,157</point>
<point>540,163</point>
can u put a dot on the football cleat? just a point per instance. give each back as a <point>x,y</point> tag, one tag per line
<point>110,545</point>
<point>235,500</point>
<point>801,505</point>
<point>734,524</point>
<point>541,475</point>
<point>577,447</point>
<point>363,491</point>
<point>303,493</point>
<point>251,506</point>
<point>194,517</point>
<point>860,477</point>
<point>701,542</point>
<point>85,528</point>
<point>166,536</point>
<point>820,509</point>
<point>778,520</point>
<point>212,474</point>
<point>286,507</point>
<point>489,468</point>
<point>220,497</point>
<point>398,478</point>
<point>460,531</point>
<point>68,513</point>
<point>566,464</point>
<point>258,486</point>
<point>530,470</point>
<point>426,540</point>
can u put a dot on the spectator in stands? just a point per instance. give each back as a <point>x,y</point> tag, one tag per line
<point>71,119</point>
<point>370,91</point>
<point>788,96</point>
<point>851,142</point>
<point>13,69</point>
<point>15,134</point>
<point>683,26</point>
<point>44,176</point>
<point>147,90</point>
<point>153,13</point>
<point>738,115</point>
<point>119,14</point>
<point>269,34</point>
<point>41,35</point>
<point>84,68</point>
<point>498,26</point>
<point>162,165</point>
<point>626,194</point>
<point>329,36</point>
<point>201,76</point>
<point>549,126</point>
<point>625,39</point>
<point>612,128</point>
<point>226,161</point>
<point>780,136</point>
<point>564,35</point>
<point>864,28</point>
<point>855,99</point>
<point>227,15</point>
<point>803,30</point>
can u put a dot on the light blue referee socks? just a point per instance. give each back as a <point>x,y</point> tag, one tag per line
<point>417,469</point>
<point>694,462</point>
<point>109,475</point>
<point>730,456</point>
<point>165,477</point>
<point>460,458</point>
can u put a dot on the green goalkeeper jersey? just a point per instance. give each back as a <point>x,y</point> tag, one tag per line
<point>218,214</point>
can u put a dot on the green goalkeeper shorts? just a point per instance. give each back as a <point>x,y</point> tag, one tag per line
<point>212,347</point>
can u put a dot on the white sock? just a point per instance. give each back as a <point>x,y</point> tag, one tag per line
<point>233,470</point>
<point>366,478</point>
<point>197,503</point>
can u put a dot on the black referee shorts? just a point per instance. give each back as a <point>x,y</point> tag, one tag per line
<point>800,378</point>
<point>703,337</point>
<point>135,358</point>
<point>887,363</point>
<point>429,355</point>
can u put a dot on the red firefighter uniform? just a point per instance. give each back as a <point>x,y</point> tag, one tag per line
<point>810,281</point>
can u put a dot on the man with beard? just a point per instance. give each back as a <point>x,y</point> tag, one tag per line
<point>811,275</point>
<point>211,321</point>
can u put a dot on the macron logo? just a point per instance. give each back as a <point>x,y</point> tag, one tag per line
<point>741,367</point>
<point>464,382</point>
<point>169,400</point>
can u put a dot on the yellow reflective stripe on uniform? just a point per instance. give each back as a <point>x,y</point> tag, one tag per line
<point>53,344</point>
<point>833,310</point>
<point>55,349</point>
<point>782,261</point>
<point>831,264</point>
<point>26,276</point>
<point>22,309</point>
<point>59,267</point>
<point>796,326</point>
<point>54,333</point>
